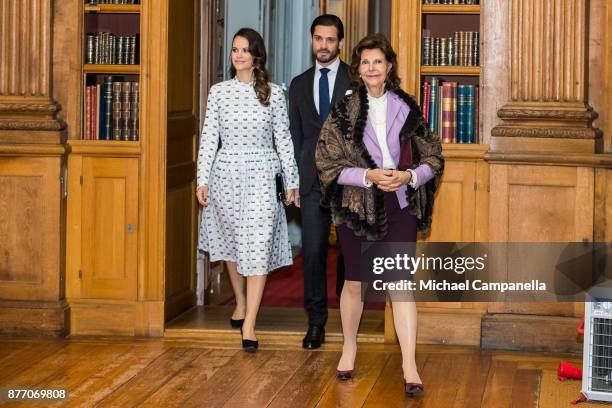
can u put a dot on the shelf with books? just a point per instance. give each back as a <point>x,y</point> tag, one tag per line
<point>112,108</point>
<point>450,9</point>
<point>112,39</point>
<point>111,72</point>
<point>451,110</point>
<point>449,70</point>
<point>113,8</point>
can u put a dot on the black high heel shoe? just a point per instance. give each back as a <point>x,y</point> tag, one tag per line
<point>236,323</point>
<point>250,346</point>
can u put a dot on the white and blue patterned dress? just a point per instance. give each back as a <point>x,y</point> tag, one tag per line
<point>244,222</point>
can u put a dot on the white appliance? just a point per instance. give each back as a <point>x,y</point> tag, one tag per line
<point>597,357</point>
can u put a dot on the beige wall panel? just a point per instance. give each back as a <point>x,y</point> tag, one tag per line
<point>453,215</point>
<point>30,228</point>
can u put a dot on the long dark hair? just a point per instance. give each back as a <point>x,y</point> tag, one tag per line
<point>257,49</point>
<point>374,42</point>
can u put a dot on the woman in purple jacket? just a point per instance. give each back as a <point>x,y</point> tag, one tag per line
<point>379,167</point>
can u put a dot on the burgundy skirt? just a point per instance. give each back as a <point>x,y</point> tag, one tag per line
<point>402,227</point>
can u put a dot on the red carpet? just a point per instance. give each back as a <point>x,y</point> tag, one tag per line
<point>285,286</point>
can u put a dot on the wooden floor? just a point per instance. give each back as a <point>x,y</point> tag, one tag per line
<point>196,373</point>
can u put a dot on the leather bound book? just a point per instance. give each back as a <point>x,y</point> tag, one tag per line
<point>117,110</point>
<point>461,113</point>
<point>126,89</point>
<point>426,100</point>
<point>469,117</point>
<point>135,109</point>
<point>476,116</point>
<point>432,103</point>
<point>447,106</point>
<point>87,112</point>
<point>108,108</point>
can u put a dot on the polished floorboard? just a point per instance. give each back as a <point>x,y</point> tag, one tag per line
<point>180,372</point>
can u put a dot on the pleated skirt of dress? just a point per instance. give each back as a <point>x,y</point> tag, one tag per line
<point>244,222</point>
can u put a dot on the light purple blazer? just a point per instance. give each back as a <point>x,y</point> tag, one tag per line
<point>397,113</point>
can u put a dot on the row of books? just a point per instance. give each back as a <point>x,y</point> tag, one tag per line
<point>462,49</point>
<point>111,110</point>
<point>108,48</point>
<point>93,2</point>
<point>451,110</point>
<point>451,1</point>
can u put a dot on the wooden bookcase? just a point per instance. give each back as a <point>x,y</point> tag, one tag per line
<point>131,210</point>
<point>462,201</point>
<point>104,200</point>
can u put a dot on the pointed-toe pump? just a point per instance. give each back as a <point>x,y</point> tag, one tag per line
<point>250,346</point>
<point>344,375</point>
<point>413,389</point>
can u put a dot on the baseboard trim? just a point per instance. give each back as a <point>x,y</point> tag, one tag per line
<point>34,318</point>
<point>531,333</point>
<point>116,318</point>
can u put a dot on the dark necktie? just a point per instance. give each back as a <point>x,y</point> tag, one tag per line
<point>323,94</point>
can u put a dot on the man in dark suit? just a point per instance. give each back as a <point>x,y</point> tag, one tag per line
<point>311,96</point>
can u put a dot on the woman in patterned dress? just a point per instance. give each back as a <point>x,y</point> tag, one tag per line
<point>243,223</point>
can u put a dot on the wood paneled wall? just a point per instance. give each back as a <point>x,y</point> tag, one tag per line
<point>545,65</point>
<point>32,174</point>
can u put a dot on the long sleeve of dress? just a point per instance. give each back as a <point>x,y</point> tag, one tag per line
<point>209,139</point>
<point>282,138</point>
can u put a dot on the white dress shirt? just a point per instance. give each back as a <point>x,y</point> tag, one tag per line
<point>378,117</point>
<point>331,80</point>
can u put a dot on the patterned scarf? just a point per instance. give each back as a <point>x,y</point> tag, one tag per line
<point>341,145</point>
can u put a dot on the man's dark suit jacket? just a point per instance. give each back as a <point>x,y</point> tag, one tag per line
<point>305,122</point>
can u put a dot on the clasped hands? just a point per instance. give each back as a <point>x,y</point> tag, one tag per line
<point>388,180</point>
<point>293,196</point>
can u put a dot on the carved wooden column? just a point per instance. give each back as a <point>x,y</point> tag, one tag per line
<point>32,157</point>
<point>25,69</point>
<point>548,107</point>
<point>543,157</point>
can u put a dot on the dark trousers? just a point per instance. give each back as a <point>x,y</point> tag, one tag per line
<point>316,222</point>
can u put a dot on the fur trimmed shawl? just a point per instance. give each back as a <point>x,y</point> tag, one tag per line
<point>341,145</point>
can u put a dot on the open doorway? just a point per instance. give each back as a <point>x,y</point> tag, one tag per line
<point>285,27</point>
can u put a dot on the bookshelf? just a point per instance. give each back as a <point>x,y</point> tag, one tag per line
<point>111,72</point>
<point>131,215</point>
<point>449,70</point>
<point>461,210</point>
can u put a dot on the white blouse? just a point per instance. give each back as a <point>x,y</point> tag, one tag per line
<point>378,116</point>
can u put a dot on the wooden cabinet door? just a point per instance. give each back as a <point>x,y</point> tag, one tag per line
<point>454,213</point>
<point>109,228</point>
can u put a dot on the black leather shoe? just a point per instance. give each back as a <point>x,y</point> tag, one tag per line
<point>314,337</point>
<point>250,345</point>
<point>236,323</point>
